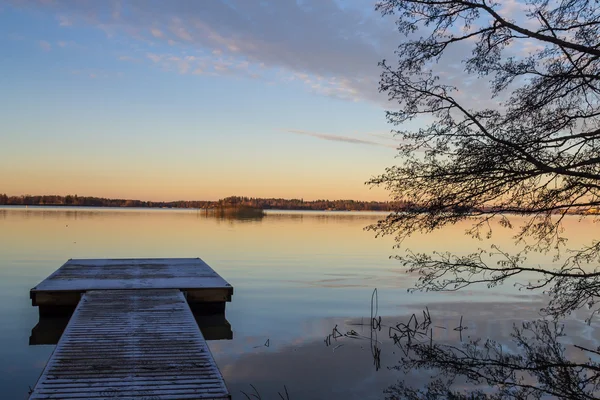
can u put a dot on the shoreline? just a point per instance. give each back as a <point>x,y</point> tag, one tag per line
<point>216,209</point>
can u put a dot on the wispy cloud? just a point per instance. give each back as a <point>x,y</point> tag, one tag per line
<point>63,20</point>
<point>318,38</point>
<point>16,37</point>
<point>154,57</point>
<point>338,138</point>
<point>387,136</point>
<point>70,44</point>
<point>128,58</point>
<point>330,47</point>
<point>157,33</point>
<point>96,74</point>
<point>204,64</point>
<point>45,45</point>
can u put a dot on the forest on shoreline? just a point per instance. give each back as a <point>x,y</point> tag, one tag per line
<point>228,202</point>
<point>240,202</point>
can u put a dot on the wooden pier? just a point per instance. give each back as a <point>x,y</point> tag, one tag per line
<point>128,339</point>
<point>203,287</point>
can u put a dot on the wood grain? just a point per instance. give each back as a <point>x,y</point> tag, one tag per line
<point>131,344</point>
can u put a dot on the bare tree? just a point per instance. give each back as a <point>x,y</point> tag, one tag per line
<point>534,153</point>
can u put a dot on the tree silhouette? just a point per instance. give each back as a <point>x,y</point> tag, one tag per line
<point>527,145</point>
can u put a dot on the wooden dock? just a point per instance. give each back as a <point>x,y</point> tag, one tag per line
<point>131,344</point>
<point>128,339</point>
<point>203,287</point>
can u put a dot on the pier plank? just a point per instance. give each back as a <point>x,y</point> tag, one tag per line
<point>117,345</point>
<point>61,291</point>
<point>139,273</point>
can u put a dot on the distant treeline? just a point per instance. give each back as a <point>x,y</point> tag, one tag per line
<point>300,204</point>
<point>228,202</point>
<point>88,201</point>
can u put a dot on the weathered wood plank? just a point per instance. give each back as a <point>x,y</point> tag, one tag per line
<point>76,276</point>
<point>131,344</point>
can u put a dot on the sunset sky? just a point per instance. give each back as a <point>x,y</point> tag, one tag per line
<point>187,99</point>
<point>193,99</point>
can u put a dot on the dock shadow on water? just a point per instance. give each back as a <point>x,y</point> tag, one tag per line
<point>49,329</point>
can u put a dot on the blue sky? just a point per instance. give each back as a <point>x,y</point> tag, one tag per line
<point>193,99</point>
<point>190,99</point>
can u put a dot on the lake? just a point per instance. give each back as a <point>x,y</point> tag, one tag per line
<point>296,276</point>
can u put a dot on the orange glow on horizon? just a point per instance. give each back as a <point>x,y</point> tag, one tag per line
<point>152,191</point>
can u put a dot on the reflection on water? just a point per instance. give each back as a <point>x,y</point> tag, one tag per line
<point>49,329</point>
<point>296,276</point>
<point>237,213</point>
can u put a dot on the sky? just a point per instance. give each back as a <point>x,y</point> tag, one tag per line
<point>199,100</point>
<point>193,99</point>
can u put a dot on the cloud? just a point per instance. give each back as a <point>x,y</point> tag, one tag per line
<point>46,46</point>
<point>116,13</point>
<point>70,44</point>
<point>157,33</point>
<point>179,30</point>
<point>386,135</point>
<point>204,65</point>
<point>512,8</point>
<point>16,37</point>
<point>315,37</point>
<point>96,74</point>
<point>339,138</point>
<point>154,57</point>
<point>64,21</point>
<point>330,47</point>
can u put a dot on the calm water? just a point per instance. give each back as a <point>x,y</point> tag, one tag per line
<point>296,276</point>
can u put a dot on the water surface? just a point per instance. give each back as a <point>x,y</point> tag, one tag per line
<point>296,276</point>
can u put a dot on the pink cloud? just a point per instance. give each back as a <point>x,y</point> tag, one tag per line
<point>157,33</point>
<point>46,46</point>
